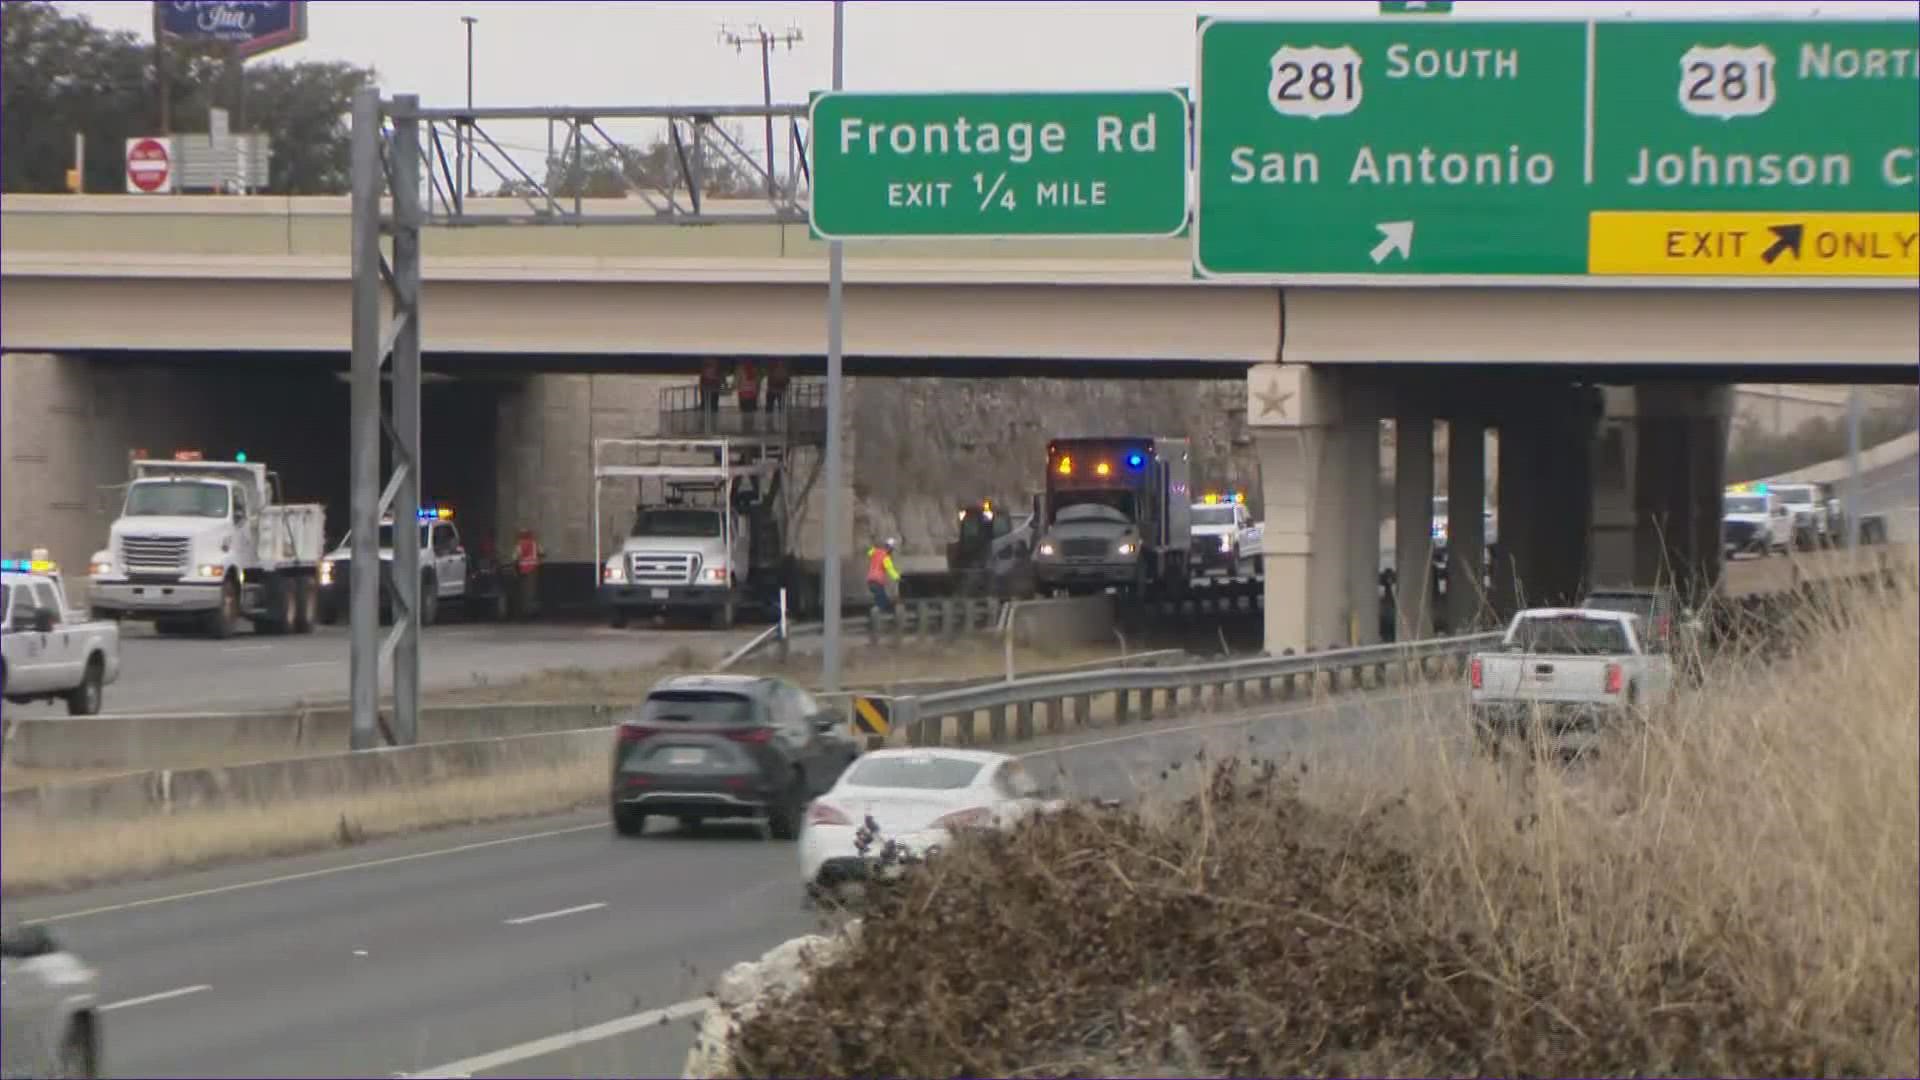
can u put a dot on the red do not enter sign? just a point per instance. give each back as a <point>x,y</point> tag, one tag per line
<point>149,165</point>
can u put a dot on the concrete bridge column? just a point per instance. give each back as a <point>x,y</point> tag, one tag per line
<point>1613,524</point>
<point>1302,429</point>
<point>1679,479</point>
<point>1519,464</point>
<point>1361,434</point>
<point>1466,525</point>
<point>1413,524</point>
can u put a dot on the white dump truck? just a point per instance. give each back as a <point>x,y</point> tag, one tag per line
<point>48,651</point>
<point>206,543</point>
<point>710,529</point>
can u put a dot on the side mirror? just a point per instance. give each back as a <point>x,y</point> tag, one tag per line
<point>43,620</point>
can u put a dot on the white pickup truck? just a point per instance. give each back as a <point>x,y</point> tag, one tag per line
<point>1565,672</point>
<point>47,651</point>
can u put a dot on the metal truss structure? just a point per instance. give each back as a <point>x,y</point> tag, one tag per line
<point>403,182</point>
<point>695,133</point>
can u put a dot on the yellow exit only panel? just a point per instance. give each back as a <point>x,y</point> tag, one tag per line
<point>1660,243</point>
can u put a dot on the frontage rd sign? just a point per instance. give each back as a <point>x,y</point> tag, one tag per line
<point>1604,152</point>
<point>901,166</point>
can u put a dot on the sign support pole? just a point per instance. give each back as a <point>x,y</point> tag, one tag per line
<point>831,541</point>
<point>1853,468</point>
<point>364,483</point>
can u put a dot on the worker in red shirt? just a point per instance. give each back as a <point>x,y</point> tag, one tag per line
<point>747,389</point>
<point>526,571</point>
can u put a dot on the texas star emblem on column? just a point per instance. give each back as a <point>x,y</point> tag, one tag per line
<point>1273,396</point>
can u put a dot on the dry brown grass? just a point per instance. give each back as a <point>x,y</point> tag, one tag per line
<point>1729,889</point>
<point>863,667</point>
<point>41,856</point>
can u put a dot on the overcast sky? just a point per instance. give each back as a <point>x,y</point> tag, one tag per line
<point>553,52</point>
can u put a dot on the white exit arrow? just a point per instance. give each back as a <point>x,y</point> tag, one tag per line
<point>1395,236</point>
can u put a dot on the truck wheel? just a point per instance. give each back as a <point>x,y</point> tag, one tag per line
<point>79,1056</point>
<point>429,601</point>
<point>617,618</point>
<point>85,698</point>
<point>220,620</point>
<point>283,608</point>
<point>723,616</point>
<point>306,604</point>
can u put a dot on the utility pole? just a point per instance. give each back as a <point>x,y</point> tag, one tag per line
<point>161,73</point>
<point>466,130</point>
<point>758,34</point>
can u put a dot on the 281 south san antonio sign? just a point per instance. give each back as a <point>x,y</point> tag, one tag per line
<point>1627,151</point>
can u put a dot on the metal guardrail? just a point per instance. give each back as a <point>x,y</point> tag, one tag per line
<point>911,620</point>
<point>923,717</point>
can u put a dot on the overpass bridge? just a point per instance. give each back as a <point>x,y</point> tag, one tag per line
<point>557,334</point>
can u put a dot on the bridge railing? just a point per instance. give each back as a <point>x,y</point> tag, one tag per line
<point>800,418</point>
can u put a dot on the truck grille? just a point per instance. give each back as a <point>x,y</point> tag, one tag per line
<point>653,569</point>
<point>1738,532</point>
<point>1085,549</point>
<point>153,554</point>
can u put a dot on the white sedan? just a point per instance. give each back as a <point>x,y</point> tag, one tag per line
<point>915,797</point>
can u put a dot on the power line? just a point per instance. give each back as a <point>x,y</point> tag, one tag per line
<point>757,34</point>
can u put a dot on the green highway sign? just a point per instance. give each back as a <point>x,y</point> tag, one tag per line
<point>900,166</point>
<point>1601,152</point>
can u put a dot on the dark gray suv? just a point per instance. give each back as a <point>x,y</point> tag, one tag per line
<point>726,746</point>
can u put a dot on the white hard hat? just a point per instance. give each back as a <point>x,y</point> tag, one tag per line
<point>891,542</point>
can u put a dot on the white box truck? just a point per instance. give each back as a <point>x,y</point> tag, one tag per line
<point>203,544</point>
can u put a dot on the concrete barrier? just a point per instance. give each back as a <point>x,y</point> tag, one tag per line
<point>267,783</point>
<point>1085,620</point>
<point>175,740</point>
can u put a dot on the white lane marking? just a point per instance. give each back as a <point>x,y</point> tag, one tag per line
<point>164,995</point>
<point>313,663</point>
<point>306,875</point>
<point>247,648</point>
<point>1239,721</point>
<point>562,913</point>
<point>567,1040</point>
<point>553,1044</point>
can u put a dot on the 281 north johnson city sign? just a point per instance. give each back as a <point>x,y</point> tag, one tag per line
<point>1558,151</point>
<point>997,165</point>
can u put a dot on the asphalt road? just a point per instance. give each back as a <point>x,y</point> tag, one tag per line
<point>544,948</point>
<point>168,674</point>
<point>1894,490</point>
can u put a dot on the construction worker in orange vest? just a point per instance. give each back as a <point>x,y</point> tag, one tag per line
<point>881,573</point>
<point>526,566</point>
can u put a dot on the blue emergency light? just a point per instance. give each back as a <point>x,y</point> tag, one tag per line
<point>436,513</point>
<point>241,457</point>
<point>27,566</point>
<point>1136,460</point>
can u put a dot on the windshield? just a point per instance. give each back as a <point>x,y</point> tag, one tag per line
<point>1094,506</point>
<point>1794,494</point>
<point>1570,635</point>
<point>176,499</point>
<point>1746,504</point>
<point>386,539</point>
<point>925,772</point>
<point>676,523</point>
<point>1212,515</point>
<point>695,707</point>
<point>6,600</point>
